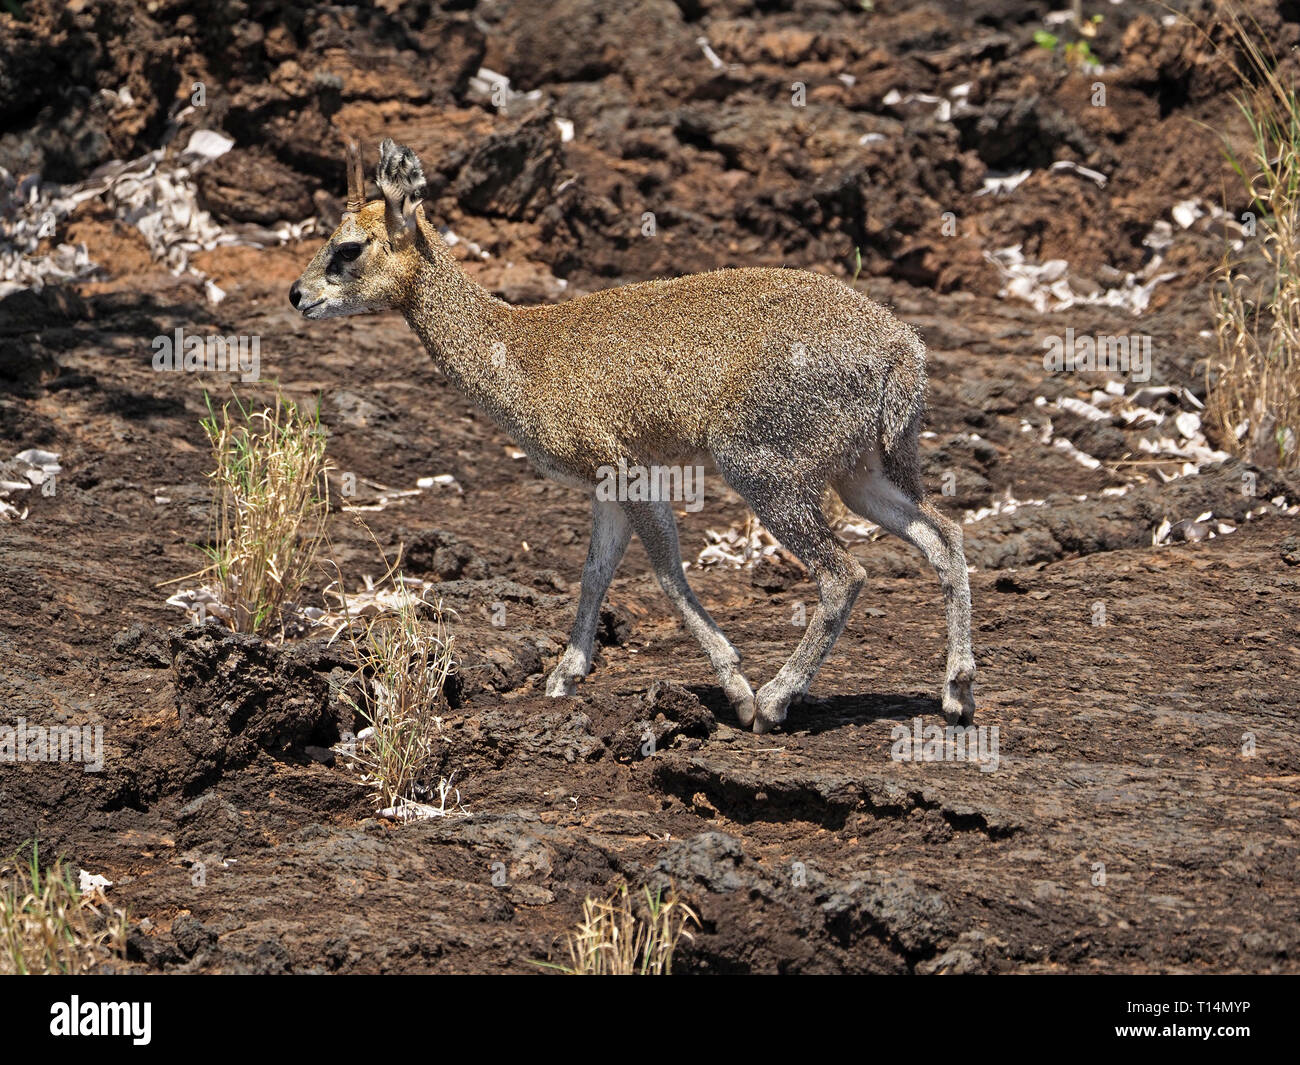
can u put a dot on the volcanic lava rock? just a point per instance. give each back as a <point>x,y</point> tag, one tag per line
<point>444,555</point>
<point>670,711</point>
<point>512,173</point>
<point>251,185</point>
<point>238,695</point>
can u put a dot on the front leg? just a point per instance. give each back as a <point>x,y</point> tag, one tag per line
<point>610,533</point>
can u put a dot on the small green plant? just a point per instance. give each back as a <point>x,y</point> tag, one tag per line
<point>270,504</point>
<point>857,263</point>
<point>613,939</point>
<point>1076,53</point>
<point>48,926</point>
<point>1079,54</point>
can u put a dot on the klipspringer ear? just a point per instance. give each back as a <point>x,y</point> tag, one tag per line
<point>401,181</point>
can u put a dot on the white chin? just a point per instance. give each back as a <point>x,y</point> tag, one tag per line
<point>332,309</point>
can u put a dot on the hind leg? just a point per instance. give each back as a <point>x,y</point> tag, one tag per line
<point>657,528</point>
<point>893,501</point>
<point>791,510</point>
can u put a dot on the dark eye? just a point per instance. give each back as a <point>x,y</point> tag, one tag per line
<point>348,253</point>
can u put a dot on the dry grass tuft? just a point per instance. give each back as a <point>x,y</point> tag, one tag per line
<point>1253,380</point>
<point>613,939</point>
<point>270,504</point>
<point>404,657</point>
<point>47,926</point>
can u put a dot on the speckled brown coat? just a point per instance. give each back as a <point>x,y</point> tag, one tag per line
<point>789,381</point>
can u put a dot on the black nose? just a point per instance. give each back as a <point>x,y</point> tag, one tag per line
<point>295,293</point>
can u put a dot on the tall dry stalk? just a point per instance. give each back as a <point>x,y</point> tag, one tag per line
<point>47,926</point>
<point>1253,381</point>
<point>612,939</point>
<point>404,657</point>
<point>270,504</point>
